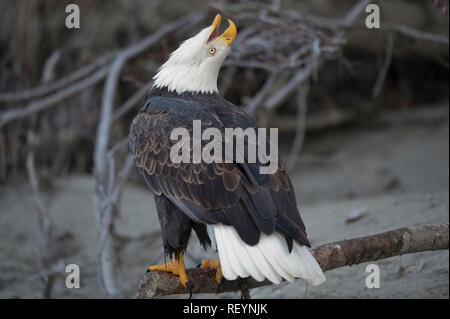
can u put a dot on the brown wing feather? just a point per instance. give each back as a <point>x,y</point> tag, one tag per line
<point>216,192</point>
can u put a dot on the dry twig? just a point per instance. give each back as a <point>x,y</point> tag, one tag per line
<point>131,101</point>
<point>39,105</point>
<point>299,138</point>
<point>385,67</point>
<point>418,34</point>
<point>289,42</point>
<point>48,88</point>
<point>44,220</point>
<point>329,256</point>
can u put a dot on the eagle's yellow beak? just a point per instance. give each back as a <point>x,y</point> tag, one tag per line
<point>228,35</point>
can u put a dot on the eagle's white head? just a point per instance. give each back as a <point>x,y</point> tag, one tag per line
<point>194,66</point>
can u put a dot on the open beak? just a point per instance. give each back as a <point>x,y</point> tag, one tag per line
<point>228,35</point>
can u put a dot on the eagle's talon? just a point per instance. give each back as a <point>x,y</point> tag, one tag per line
<point>214,264</point>
<point>220,286</point>
<point>176,267</point>
<point>189,287</point>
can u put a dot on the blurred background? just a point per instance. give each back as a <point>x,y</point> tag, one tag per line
<point>362,117</point>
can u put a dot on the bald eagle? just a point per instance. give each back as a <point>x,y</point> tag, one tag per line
<point>252,217</point>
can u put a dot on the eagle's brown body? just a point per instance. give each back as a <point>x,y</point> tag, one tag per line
<point>190,195</point>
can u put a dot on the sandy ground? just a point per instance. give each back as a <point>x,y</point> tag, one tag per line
<point>395,169</point>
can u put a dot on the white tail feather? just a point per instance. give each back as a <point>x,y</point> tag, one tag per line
<point>270,258</point>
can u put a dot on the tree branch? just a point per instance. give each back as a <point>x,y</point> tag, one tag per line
<point>385,67</point>
<point>418,34</point>
<point>132,101</point>
<point>47,88</point>
<point>50,100</point>
<point>291,86</point>
<point>302,106</point>
<point>305,60</point>
<point>329,256</point>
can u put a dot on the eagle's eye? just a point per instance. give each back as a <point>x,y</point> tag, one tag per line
<point>212,51</point>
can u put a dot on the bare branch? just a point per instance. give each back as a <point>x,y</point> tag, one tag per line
<point>47,88</point>
<point>285,92</point>
<point>131,101</point>
<point>39,105</point>
<point>310,40</point>
<point>329,256</point>
<point>419,35</point>
<point>45,222</point>
<point>259,97</point>
<point>354,13</point>
<point>385,67</point>
<point>302,105</point>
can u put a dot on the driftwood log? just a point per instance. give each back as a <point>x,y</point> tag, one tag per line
<point>330,256</point>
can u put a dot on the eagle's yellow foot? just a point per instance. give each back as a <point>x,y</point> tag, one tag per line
<point>214,264</point>
<point>176,267</point>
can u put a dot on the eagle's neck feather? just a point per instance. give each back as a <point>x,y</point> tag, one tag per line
<point>187,78</point>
